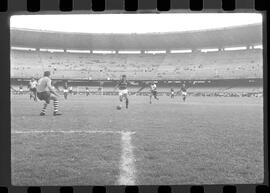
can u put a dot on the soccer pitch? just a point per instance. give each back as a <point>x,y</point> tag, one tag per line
<point>206,140</point>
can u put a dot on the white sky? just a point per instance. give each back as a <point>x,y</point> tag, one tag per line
<point>133,23</point>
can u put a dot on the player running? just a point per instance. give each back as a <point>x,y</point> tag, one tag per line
<point>100,90</point>
<point>21,89</point>
<point>46,92</point>
<point>153,92</point>
<point>65,90</point>
<point>172,93</point>
<point>70,90</point>
<point>33,89</point>
<point>87,91</point>
<point>123,91</point>
<point>184,92</point>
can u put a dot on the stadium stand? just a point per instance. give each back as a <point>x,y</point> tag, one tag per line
<point>89,69</point>
<point>220,37</point>
<point>216,65</point>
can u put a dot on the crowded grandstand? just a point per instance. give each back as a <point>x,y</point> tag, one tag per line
<point>207,64</point>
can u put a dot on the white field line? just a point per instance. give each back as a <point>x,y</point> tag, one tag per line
<point>127,167</point>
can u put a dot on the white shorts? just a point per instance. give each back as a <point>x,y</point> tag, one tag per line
<point>122,92</point>
<point>184,93</point>
<point>65,90</point>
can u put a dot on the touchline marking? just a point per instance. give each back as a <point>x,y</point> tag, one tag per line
<point>127,167</point>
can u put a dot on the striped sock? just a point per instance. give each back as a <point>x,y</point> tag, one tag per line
<point>55,106</point>
<point>44,108</point>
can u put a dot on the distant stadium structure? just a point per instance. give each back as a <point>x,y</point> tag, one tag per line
<point>224,53</point>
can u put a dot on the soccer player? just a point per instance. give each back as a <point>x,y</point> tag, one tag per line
<point>87,91</point>
<point>100,90</point>
<point>21,89</point>
<point>45,92</point>
<point>65,90</point>
<point>123,91</point>
<point>70,90</point>
<point>33,89</point>
<point>172,93</point>
<point>184,92</point>
<point>153,91</point>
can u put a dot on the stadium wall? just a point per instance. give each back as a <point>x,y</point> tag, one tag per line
<point>161,83</point>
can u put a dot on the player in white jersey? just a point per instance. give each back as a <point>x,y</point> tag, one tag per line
<point>33,89</point>
<point>46,92</point>
<point>172,93</point>
<point>153,92</point>
<point>21,89</point>
<point>70,90</point>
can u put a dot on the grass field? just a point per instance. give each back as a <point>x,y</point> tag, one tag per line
<point>206,140</point>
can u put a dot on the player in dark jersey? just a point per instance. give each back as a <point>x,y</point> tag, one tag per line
<point>65,90</point>
<point>87,91</point>
<point>123,91</point>
<point>172,93</point>
<point>153,91</point>
<point>184,92</point>
<point>100,90</point>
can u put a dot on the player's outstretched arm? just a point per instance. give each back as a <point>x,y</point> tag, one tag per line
<point>13,89</point>
<point>140,89</point>
<point>29,85</point>
<point>116,86</point>
<point>52,90</point>
<point>179,91</point>
<point>143,87</point>
<point>57,88</point>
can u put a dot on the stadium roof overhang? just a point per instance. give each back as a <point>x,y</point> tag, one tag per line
<point>218,38</point>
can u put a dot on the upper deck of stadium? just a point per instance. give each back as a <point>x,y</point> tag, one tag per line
<point>244,35</point>
<point>196,64</point>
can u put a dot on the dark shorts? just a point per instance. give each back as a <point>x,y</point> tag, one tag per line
<point>33,90</point>
<point>154,92</point>
<point>44,96</point>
